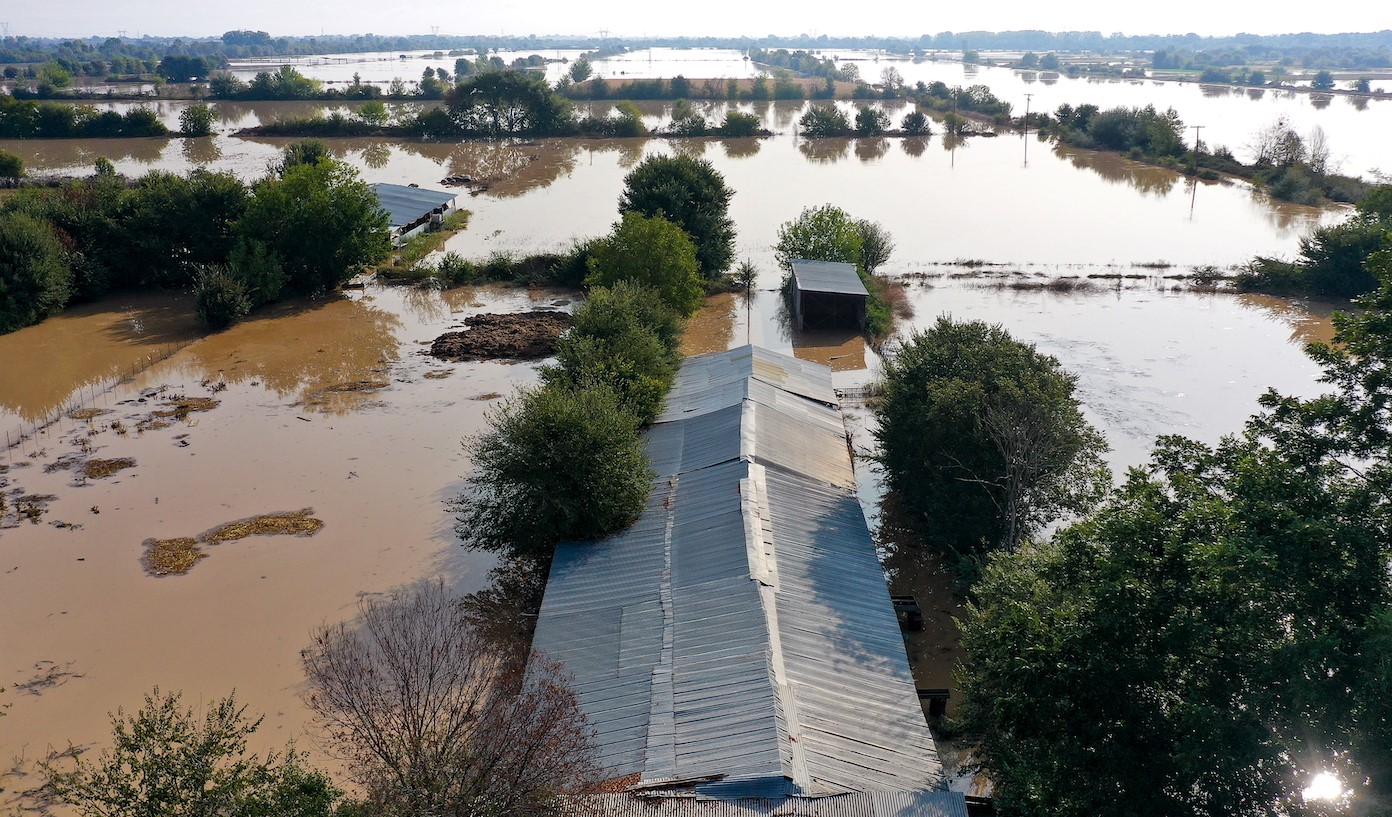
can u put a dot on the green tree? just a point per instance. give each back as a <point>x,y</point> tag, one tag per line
<point>692,194</point>
<point>35,278</point>
<point>322,222</point>
<point>508,103</point>
<point>220,297</point>
<point>11,166</point>
<point>374,113</point>
<point>166,762</point>
<point>983,439</point>
<point>581,70</point>
<point>1029,60</point>
<point>652,252</point>
<point>1360,85</point>
<point>915,123</point>
<point>623,338</point>
<point>197,120</point>
<point>870,121</point>
<point>302,152</point>
<point>1323,81</point>
<point>825,233</point>
<point>824,120</point>
<point>739,125</point>
<point>1225,616</point>
<point>559,464</point>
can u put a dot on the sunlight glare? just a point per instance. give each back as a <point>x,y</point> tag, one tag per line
<point>1325,786</point>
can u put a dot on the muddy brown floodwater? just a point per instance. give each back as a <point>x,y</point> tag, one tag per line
<point>322,405</point>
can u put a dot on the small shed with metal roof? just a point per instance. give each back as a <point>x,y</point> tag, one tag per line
<point>412,210</point>
<point>737,645</point>
<point>827,295</point>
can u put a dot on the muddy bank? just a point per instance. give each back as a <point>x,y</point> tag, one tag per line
<point>523,336</point>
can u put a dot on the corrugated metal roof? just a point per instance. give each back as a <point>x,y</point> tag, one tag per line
<point>742,627</point>
<point>828,276</point>
<point>874,804</point>
<point>406,205</point>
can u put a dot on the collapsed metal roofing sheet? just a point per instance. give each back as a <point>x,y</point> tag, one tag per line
<point>742,627</point>
<point>407,205</point>
<point>828,276</point>
<point>872,804</point>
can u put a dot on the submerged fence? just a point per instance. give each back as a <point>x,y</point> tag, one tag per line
<point>87,396</point>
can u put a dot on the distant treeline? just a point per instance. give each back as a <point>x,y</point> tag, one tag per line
<point>1322,50</point>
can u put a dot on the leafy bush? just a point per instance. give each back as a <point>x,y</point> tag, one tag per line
<point>559,464</point>
<point>739,125</point>
<point>35,278</point>
<point>870,121</point>
<point>11,166</point>
<point>692,194</point>
<point>196,120</point>
<point>824,120</point>
<point>653,252</point>
<point>915,123</point>
<point>220,298</point>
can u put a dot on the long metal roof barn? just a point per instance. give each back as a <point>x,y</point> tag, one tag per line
<point>738,641</point>
<point>407,205</point>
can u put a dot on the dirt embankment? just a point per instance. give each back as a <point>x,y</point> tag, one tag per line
<point>521,336</point>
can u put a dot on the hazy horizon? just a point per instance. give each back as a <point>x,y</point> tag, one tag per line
<point>627,18</point>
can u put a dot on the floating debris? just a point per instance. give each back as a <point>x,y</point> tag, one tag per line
<point>171,557</point>
<point>438,374</point>
<point>47,675</point>
<point>355,386</point>
<point>518,336</point>
<point>493,395</point>
<point>97,469</point>
<point>298,523</point>
<point>87,413</point>
<point>181,407</point>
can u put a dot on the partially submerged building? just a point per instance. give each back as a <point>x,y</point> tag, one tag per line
<point>827,295</point>
<point>735,650</point>
<point>413,210</point>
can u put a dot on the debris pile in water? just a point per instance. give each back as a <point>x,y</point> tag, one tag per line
<point>518,336</point>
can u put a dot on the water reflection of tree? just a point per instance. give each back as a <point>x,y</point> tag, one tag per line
<point>824,151</point>
<point>512,167</point>
<point>305,349</point>
<point>1320,101</point>
<point>506,611</point>
<point>376,155</point>
<point>202,151</point>
<point>740,148</point>
<point>951,142</point>
<point>59,154</point>
<point>694,148</point>
<point>784,113</point>
<point>1284,216</point>
<point>1113,168</point>
<point>868,150</point>
<point>914,145</point>
<point>1359,103</point>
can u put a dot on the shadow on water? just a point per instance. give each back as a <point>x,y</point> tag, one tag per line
<point>1114,168</point>
<point>824,151</point>
<point>329,355</point>
<point>740,148</point>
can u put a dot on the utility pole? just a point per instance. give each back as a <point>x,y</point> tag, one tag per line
<point>434,31</point>
<point>1197,128</point>
<point>1028,97</point>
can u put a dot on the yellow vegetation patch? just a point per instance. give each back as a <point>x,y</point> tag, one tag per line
<point>96,469</point>
<point>181,407</point>
<point>87,413</point>
<point>170,557</point>
<point>298,523</point>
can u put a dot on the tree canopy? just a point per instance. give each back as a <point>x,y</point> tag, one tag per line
<point>691,194</point>
<point>983,439</point>
<point>1225,617</point>
<point>35,278</point>
<point>322,221</point>
<point>652,252</point>
<point>507,103</point>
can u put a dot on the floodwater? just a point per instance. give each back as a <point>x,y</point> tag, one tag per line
<point>1004,200</point>
<point>324,405</point>
<point>1230,115</point>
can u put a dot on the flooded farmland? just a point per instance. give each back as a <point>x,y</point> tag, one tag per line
<point>330,405</point>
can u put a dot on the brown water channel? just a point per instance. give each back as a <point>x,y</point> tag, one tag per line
<point>327,404</point>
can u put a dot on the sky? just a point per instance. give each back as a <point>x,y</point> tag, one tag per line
<point>634,18</point>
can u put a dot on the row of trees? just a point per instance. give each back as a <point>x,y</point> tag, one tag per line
<point>26,119</point>
<point>306,227</point>
<point>1224,617</point>
<point>830,121</point>
<point>564,461</point>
